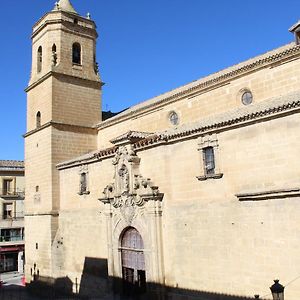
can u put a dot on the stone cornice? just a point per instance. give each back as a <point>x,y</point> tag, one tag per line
<point>245,117</point>
<point>38,29</point>
<point>52,213</point>
<point>281,55</point>
<point>239,121</point>
<point>269,195</point>
<point>88,158</point>
<point>98,84</point>
<point>130,137</point>
<point>40,80</point>
<point>63,126</point>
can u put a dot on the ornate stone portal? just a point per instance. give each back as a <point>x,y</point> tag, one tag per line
<point>133,201</point>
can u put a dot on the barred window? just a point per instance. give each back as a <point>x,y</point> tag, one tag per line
<point>209,148</point>
<point>83,183</point>
<point>209,160</point>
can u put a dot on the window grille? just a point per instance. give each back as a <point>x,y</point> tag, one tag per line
<point>209,160</point>
<point>83,183</point>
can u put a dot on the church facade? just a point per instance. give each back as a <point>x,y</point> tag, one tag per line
<point>193,193</point>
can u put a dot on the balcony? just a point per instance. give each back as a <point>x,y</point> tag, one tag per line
<point>16,238</point>
<point>11,236</point>
<point>12,215</point>
<point>12,193</point>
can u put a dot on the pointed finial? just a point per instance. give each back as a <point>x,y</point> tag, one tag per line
<point>88,16</point>
<point>56,6</point>
<point>65,5</point>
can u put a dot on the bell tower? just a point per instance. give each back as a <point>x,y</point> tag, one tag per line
<point>63,105</point>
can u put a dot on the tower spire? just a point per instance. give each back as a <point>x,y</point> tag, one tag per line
<point>65,5</point>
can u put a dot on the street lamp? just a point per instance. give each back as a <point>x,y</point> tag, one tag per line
<point>277,290</point>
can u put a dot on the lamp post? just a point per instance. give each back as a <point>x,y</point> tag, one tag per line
<point>277,290</point>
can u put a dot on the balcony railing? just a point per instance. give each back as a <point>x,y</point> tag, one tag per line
<point>9,215</point>
<point>15,193</point>
<point>11,238</point>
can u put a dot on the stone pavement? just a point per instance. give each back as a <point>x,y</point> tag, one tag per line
<point>12,289</point>
<point>11,278</point>
<point>15,292</point>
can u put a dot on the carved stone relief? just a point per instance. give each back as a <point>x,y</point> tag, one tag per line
<point>130,190</point>
<point>133,200</point>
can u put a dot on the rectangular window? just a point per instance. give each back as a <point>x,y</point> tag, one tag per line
<point>209,147</point>
<point>11,235</point>
<point>7,210</point>
<point>209,160</point>
<point>7,187</point>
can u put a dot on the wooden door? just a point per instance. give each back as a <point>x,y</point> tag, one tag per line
<point>133,262</point>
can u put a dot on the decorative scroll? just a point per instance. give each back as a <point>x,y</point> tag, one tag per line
<point>130,190</point>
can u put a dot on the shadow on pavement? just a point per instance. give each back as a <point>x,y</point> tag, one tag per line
<point>15,292</point>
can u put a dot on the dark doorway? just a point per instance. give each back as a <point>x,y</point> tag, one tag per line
<point>133,263</point>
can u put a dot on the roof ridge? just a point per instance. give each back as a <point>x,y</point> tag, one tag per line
<point>233,117</point>
<point>204,82</point>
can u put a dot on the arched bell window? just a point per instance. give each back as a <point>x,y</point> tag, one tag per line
<point>54,55</point>
<point>38,119</point>
<point>39,59</point>
<point>76,54</point>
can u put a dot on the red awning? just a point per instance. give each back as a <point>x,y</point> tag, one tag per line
<point>11,249</point>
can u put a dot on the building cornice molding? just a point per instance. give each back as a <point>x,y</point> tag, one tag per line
<point>195,130</point>
<point>98,84</point>
<point>88,158</point>
<point>12,169</point>
<point>63,127</point>
<point>270,59</point>
<point>232,123</point>
<point>39,26</point>
<point>130,137</point>
<point>39,81</point>
<point>269,194</point>
<point>53,213</point>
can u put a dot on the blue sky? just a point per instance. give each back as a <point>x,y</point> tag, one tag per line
<point>144,47</point>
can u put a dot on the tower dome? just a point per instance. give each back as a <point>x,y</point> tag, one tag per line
<point>65,5</point>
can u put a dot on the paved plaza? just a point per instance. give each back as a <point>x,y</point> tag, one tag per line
<point>13,289</point>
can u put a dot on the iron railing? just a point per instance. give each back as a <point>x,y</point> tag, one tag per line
<point>16,238</point>
<point>12,215</point>
<point>12,192</point>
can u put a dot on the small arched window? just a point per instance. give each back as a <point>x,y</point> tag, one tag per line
<point>54,55</point>
<point>39,59</point>
<point>76,54</point>
<point>173,117</point>
<point>38,119</point>
<point>83,183</point>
